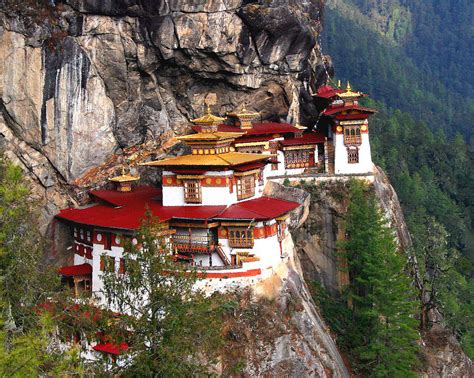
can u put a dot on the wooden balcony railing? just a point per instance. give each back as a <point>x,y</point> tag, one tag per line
<point>193,244</point>
<point>352,139</point>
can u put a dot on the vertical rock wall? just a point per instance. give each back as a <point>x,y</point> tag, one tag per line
<point>86,81</point>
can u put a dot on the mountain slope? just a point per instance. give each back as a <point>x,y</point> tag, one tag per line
<point>390,49</point>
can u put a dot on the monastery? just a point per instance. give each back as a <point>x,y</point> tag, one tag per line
<point>210,202</point>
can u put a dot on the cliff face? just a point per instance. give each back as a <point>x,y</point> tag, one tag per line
<point>316,246</point>
<point>88,84</point>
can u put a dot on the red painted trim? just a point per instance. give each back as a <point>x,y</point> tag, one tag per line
<point>247,273</point>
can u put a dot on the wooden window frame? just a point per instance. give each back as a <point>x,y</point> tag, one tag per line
<point>352,135</point>
<point>192,191</point>
<point>246,186</point>
<point>122,265</point>
<point>241,237</point>
<point>261,180</point>
<point>294,158</point>
<point>353,155</point>
<point>111,262</point>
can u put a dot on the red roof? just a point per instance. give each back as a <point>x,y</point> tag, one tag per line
<point>262,208</point>
<point>116,198</point>
<point>258,128</point>
<point>248,167</point>
<point>339,109</point>
<point>132,210</point>
<point>327,91</point>
<point>76,270</point>
<point>190,212</point>
<point>252,139</point>
<point>129,216</point>
<point>188,171</point>
<point>115,349</point>
<point>308,138</point>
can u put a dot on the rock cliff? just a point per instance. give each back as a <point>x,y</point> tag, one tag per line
<point>86,86</point>
<point>316,245</point>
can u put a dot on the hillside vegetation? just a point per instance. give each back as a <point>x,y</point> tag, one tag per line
<point>415,56</point>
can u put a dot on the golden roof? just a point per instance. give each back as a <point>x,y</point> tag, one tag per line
<point>208,118</point>
<point>244,113</point>
<point>218,135</point>
<point>349,93</point>
<point>124,178</point>
<point>227,159</point>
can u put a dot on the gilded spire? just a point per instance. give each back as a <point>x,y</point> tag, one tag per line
<point>124,177</point>
<point>245,117</point>
<point>349,93</point>
<point>209,121</point>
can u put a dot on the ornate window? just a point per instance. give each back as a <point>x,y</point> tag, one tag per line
<point>122,266</point>
<point>352,135</point>
<point>241,237</point>
<point>353,155</point>
<point>245,186</point>
<point>192,191</point>
<point>297,158</point>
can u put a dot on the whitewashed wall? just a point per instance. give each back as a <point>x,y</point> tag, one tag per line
<point>341,166</point>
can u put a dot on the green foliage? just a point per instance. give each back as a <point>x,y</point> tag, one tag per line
<point>25,336</point>
<point>173,329</point>
<point>22,283</point>
<point>434,179</point>
<point>31,353</point>
<point>378,329</point>
<point>426,74</point>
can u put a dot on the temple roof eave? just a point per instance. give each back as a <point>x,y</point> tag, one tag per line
<point>225,160</point>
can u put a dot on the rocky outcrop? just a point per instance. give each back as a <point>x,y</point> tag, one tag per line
<point>85,80</point>
<point>316,245</point>
<point>316,240</point>
<point>275,330</point>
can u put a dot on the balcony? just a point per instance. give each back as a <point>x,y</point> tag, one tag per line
<point>352,140</point>
<point>193,244</point>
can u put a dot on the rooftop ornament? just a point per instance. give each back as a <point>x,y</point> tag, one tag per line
<point>124,181</point>
<point>245,117</point>
<point>349,93</point>
<point>209,121</point>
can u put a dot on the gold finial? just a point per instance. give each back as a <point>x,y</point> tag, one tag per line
<point>124,181</point>
<point>244,117</point>
<point>339,83</point>
<point>209,122</point>
<point>349,93</point>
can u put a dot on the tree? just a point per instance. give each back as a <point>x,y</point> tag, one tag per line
<point>444,288</point>
<point>172,328</point>
<point>383,332</point>
<point>26,334</point>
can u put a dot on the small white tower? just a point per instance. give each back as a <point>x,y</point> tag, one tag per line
<point>350,132</point>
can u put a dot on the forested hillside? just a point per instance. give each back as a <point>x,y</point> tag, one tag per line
<point>416,56</point>
<point>416,59</point>
<point>434,179</point>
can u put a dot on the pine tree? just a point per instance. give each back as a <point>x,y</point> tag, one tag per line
<point>172,328</point>
<point>26,334</point>
<point>384,331</point>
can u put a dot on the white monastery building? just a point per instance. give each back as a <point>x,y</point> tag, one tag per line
<point>210,201</point>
